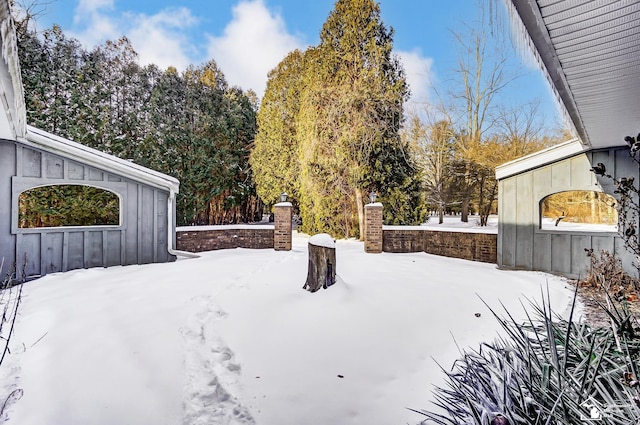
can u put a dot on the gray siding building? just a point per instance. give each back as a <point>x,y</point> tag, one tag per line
<point>523,241</point>
<point>144,232</point>
<point>589,52</point>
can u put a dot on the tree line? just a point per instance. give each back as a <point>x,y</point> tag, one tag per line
<point>191,125</point>
<point>330,129</point>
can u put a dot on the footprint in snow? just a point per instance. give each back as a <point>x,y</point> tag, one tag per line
<point>211,381</point>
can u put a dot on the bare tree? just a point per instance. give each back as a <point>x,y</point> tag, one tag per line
<point>433,143</point>
<point>480,75</point>
<point>520,129</point>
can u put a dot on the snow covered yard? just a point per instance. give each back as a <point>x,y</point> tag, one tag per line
<point>231,338</point>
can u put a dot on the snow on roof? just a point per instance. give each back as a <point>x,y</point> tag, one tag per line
<point>93,157</point>
<point>540,158</point>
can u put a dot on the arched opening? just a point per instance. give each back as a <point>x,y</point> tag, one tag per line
<point>579,210</point>
<point>68,205</point>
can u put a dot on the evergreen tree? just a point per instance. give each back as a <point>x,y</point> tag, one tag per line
<point>348,109</point>
<point>192,126</point>
<point>353,112</point>
<point>274,158</point>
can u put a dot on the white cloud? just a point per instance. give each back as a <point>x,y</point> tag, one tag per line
<point>157,38</point>
<point>252,44</point>
<point>418,69</point>
<point>89,7</point>
<point>93,19</point>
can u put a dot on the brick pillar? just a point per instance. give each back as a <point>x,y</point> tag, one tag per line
<point>373,228</point>
<point>282,214</point>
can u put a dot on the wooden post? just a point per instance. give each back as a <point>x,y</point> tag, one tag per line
<point>282,214</point>
<point>373,228</point>
<point>322,262</point>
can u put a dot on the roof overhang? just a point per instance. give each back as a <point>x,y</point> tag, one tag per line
<point>85,155</point>
<point>590,51</point>
<point>541,158</point>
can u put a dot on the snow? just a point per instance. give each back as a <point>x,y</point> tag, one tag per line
<point>232,338</point>
<point>454,224</point>
<point>323,239</point>
<point>567,226</point>
<point>224,227</point>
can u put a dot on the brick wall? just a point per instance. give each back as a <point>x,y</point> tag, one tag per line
<point>468,246</point>
<point>224,238</point>
<point>373,228</point>
<point>282,226</point>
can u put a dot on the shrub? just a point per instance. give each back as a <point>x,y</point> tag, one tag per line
<point>10,297</point>
<point>545,371</point>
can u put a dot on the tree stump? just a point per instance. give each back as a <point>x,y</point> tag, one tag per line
<point>322,262</point>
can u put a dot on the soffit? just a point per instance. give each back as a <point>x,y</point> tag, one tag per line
<point>591,52</point>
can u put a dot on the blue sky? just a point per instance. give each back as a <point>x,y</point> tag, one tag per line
<point>247,38</point>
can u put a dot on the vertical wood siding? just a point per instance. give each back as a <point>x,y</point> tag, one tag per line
<point>521,242</point>
<point>141,236</point>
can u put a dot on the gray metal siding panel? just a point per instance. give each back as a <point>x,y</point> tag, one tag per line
<point>113,248</point>
<point>28,260</point>
<point>31,163</point>
<point>579,259</point>
<point>53,167</point>
<point>131,233</point>
<point>542,251</point>
<point>146,230</point>
<point>155,225</point>
<point>541,186</point>
<point>561,175</point>
<point>75,256</point>
<point>509,222</point>
<point>95,175</point>
<point>7,240</point>
<point>580,174</point>
<point>561,253</point>
<point>602,243</point>
<point>75,171</point>
<point>525,223</point>
<point>94,247</point>
<point>51,248</point>
<point>625,256</point>
<point>162,233</point>
<point>607,158</point>
<point>626,167</point>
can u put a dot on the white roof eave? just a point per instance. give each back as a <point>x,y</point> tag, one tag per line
<point>538,159</point>
<point>85,155</point>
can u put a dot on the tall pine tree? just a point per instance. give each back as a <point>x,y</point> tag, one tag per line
<point>350,90</point>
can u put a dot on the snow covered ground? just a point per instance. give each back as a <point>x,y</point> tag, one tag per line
<point>231,338</point>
